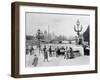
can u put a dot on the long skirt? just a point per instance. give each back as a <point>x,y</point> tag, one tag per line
<point>35,61</point>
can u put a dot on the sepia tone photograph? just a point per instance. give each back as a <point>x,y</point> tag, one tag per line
<point>57,39</point>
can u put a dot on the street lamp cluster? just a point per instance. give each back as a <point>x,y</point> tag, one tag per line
<point>39,36</point>
<point>78,28</point>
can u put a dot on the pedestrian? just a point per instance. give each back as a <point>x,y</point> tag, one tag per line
<point>31,50</point>
<point>45,53</point>
<point>66,55</point>
<point>53,51</point>
<point>35,60</point>
<point>50,51</point>
<point>71,53</point>
<point>57,51</point>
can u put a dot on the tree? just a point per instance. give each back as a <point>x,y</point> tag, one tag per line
<point>86,35</point>
<point>29,37</point>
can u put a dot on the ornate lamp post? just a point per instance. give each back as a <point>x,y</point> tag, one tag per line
<point>39,36</point>
<point>78,28</point>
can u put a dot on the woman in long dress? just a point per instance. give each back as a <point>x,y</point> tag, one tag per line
<point>71,53</point>
<point>35,60</point>
<point>66,53</point>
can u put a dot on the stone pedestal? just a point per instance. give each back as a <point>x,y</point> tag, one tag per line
<point>78,48</point>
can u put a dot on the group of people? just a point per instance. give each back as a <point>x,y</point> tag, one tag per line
<point>49,52</point>
<point>66,52</point>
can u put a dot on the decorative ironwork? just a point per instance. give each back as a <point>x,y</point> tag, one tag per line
<point>78,28</point>
<point>39,36</point>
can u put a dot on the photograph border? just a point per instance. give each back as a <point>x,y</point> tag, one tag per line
<point>15,32</point>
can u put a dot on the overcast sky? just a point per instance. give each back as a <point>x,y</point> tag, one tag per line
<point>60,24</point>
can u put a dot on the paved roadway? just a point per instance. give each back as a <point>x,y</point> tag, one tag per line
<point>55,61</point>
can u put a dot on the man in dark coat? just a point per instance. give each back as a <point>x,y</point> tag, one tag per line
<point>50,51</point>
<point>57,51</point>
<point>45,53</point>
